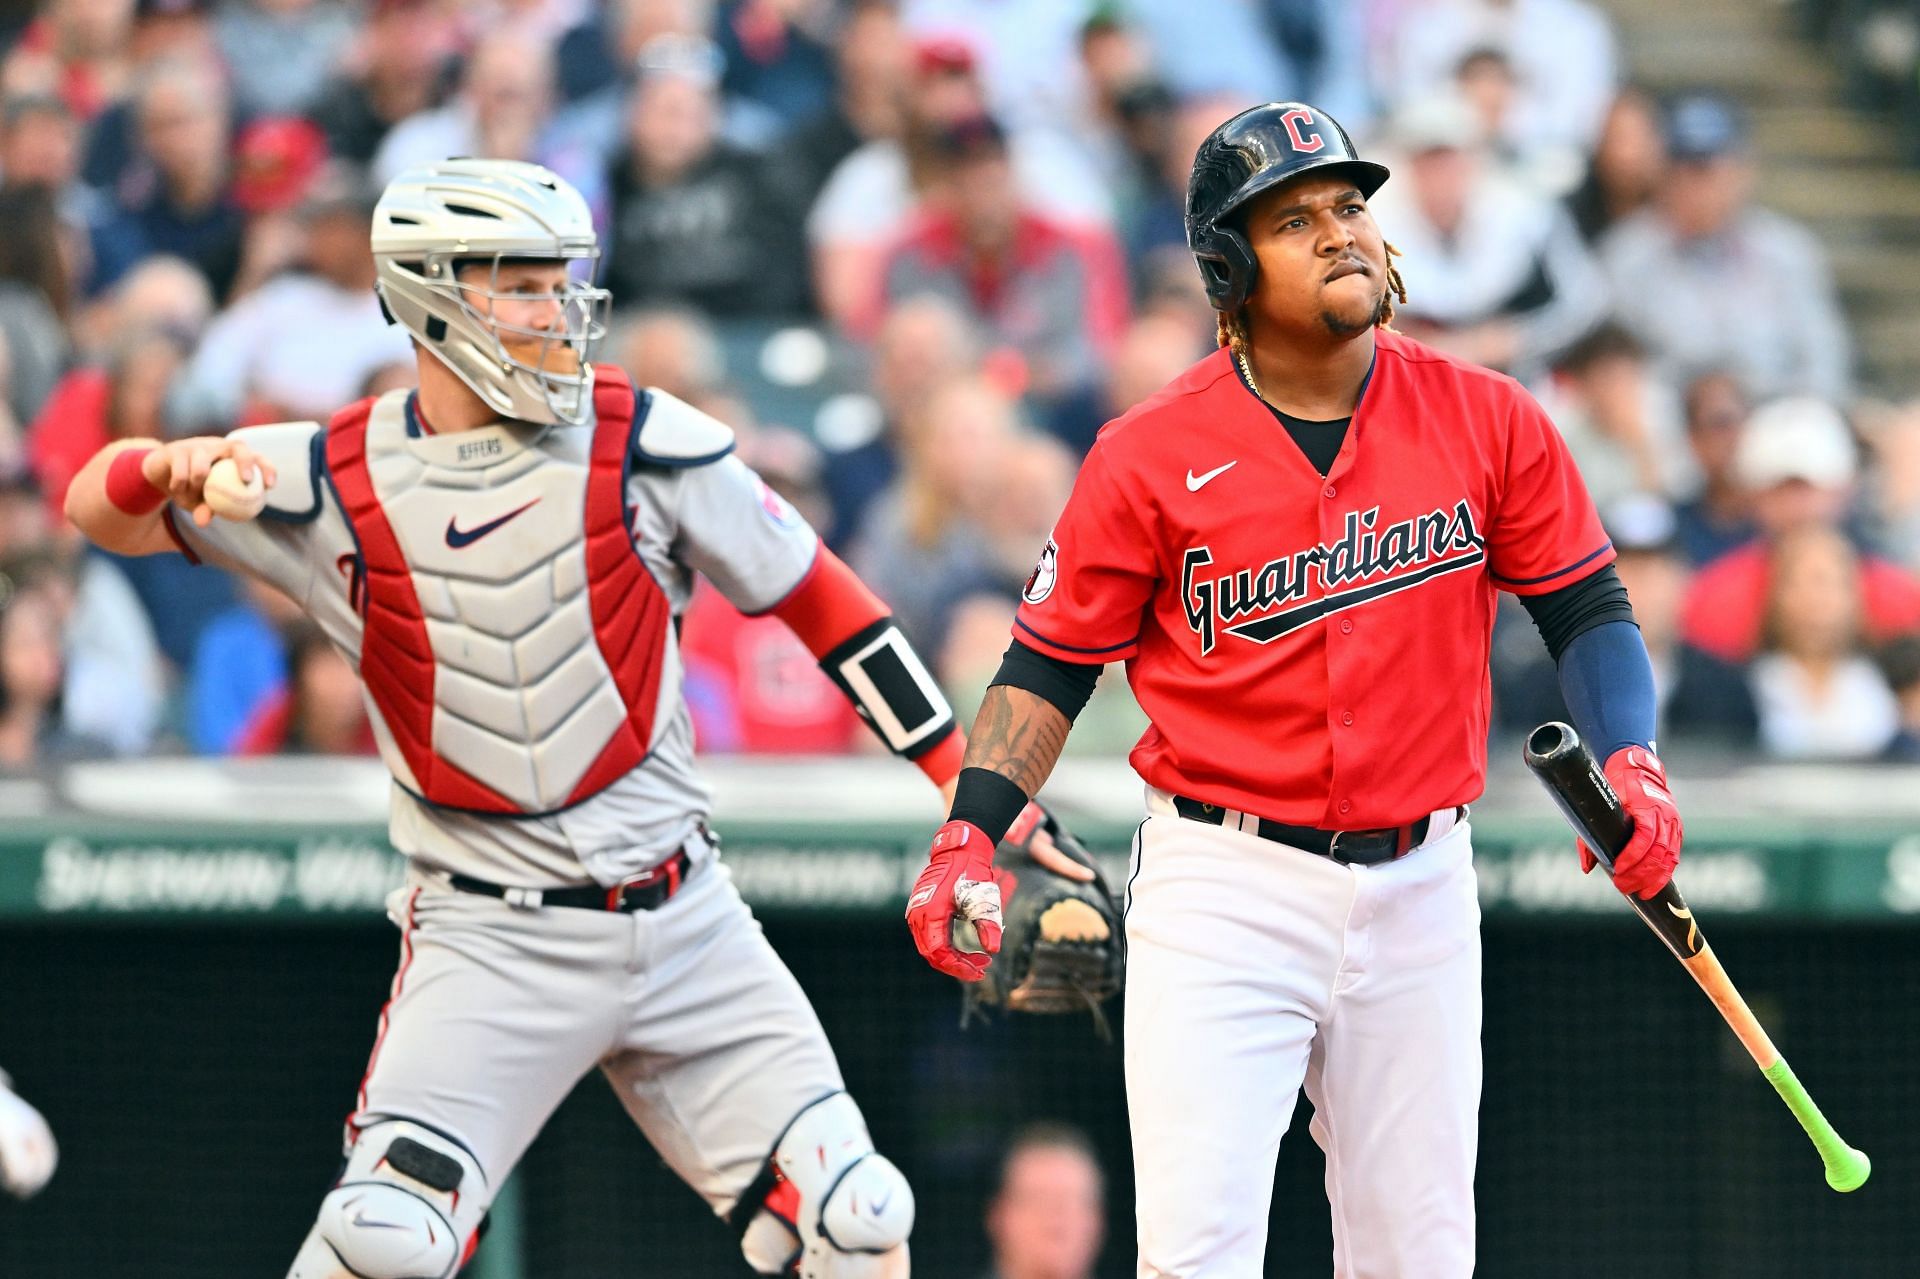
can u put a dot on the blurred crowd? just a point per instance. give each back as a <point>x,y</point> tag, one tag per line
<point>915,252</point>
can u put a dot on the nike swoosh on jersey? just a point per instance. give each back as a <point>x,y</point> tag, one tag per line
<point>459,537</point>
<point>1197,482</point>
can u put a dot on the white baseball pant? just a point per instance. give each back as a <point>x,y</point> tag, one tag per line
<point>1252,968</point>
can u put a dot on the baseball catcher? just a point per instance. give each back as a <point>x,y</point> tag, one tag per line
<point>504,555</point>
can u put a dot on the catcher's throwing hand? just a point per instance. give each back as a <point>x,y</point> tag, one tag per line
<point>179,469</point>
<point>958,883</point>
<point>1647,862</point>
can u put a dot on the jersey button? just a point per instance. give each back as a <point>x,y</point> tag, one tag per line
<point>1329,490</point>
<point>1346,626</point>
<point>1346,717</point>
<point>1346,806</point>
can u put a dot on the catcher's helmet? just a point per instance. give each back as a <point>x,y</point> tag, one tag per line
<point>433,218</point>
<point>1258,149</point>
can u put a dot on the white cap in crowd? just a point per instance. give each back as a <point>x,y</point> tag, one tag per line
<point>1798,438</point>
<point>1437,122</point>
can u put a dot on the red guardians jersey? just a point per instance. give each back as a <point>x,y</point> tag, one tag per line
<point>1314,649</point>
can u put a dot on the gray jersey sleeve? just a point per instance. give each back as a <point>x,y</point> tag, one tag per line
<point>728,525</point>
<point>280,554</point>
<point>301,544</point>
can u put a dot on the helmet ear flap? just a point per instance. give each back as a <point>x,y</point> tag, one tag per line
<point>1227,266</point>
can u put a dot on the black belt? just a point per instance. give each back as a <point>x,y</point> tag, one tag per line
<point>1349,847</point>
<point>643,892</point>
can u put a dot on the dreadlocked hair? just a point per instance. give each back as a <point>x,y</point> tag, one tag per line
<point>1232,330</point>
<point>1231,333</point>
<point>1396,289</point>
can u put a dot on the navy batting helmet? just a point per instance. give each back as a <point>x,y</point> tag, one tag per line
<point>1255,151</point>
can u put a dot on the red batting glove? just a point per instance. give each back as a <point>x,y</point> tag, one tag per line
<point>1646,864</point>
<point>958,881</point>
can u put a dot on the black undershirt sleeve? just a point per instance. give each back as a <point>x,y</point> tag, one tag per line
<point>1065,685</point>
<point>1565,614</point>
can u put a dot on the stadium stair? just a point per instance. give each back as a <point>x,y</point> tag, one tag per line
<point>1840,170</point>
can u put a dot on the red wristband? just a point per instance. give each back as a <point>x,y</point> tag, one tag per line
<point>942,763</point>
<point>127,486</point>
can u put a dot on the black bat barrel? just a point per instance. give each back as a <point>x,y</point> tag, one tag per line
<point>1573,777</point>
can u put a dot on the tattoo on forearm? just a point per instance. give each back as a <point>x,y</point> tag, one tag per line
<point>1018,735</point>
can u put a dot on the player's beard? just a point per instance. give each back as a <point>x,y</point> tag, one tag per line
<point>1354,323</point>
<point>550,355</point>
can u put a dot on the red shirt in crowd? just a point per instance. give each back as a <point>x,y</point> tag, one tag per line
<point>1055,291</point>
<point>79,88</point>
<point>71,428</point>
<point>268,731</point>
<point>1727,602</point>
<point>753,687</point>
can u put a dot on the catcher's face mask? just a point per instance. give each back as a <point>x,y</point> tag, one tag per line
<point>545,320</point>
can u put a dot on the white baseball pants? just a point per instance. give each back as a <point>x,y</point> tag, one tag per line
<point>1253,968</point>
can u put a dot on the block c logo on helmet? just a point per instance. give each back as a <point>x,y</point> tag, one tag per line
<point>1309,142</point>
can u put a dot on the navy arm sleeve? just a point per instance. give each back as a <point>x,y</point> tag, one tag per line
<point>1605,675</point>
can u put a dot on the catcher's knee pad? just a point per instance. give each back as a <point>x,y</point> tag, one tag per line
<point>407,1206</point>
<point>832,1207</point>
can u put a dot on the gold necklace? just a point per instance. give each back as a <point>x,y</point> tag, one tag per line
<point>1246,371</point>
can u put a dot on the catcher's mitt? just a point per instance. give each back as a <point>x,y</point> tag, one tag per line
<point>1060,948</point>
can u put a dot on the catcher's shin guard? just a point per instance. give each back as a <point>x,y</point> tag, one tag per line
<point>408,1205</point>
<point>830,1206</point>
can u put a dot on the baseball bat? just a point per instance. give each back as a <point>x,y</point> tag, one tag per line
<point>1573,777</point>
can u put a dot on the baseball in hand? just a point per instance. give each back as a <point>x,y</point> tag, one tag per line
<point>229,496</point>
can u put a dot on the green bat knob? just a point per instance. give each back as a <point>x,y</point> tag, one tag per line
<point>1847,1168</point>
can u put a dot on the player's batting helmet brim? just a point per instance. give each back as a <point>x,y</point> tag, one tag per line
<point>1367,178</point>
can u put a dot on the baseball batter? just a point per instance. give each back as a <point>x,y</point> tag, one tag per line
<point>1295,548</point>
<point>503,556</point>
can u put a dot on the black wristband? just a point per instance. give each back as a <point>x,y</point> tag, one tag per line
<point>988,800</point>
